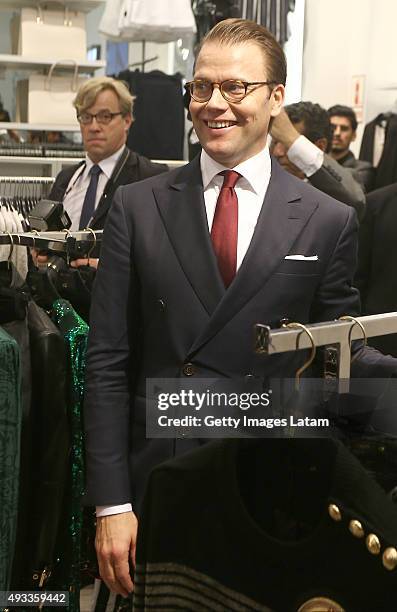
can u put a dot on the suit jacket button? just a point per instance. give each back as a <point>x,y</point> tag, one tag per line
<point>161,304</point>
<point>189,369</point>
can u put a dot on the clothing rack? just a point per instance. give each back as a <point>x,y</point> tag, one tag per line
<point>143,61</point>
<point>341,332</point>
<point>60,242</point>
<point>45,180</point>
<point>25,186</point>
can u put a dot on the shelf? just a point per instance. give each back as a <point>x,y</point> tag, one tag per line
<point>32,63</point>
<point>75,5</point>
<point>39,127</point>
<point>32,166</point>
<point>172,163</point>
<point>39,161</point>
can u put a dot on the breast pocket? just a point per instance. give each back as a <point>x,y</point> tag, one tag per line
<point>299,267</point>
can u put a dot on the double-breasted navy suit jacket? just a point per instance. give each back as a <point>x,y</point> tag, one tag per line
<point>159,303</point>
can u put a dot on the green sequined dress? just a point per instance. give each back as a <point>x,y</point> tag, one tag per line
<point>70,554</point>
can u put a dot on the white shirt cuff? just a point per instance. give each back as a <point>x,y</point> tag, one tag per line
<point>108,510</point>
<point>306,155</point>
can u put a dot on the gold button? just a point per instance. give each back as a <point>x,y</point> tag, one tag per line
<point>356,528</point>
<point>389,558</point>
<point>189,369</point>
<point>373,544</point>
<point>334,512</point>
<point>320,604</point>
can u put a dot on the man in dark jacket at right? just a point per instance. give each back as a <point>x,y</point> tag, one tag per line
<point>344,124</point>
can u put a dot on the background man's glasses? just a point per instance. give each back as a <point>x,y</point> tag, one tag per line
<point>232,90</point>
<point>104,117</point>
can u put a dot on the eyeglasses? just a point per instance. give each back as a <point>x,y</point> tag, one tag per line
<point>104,117</point>
<point>232,90</point>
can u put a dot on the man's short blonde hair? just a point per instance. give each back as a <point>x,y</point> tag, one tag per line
<point>91,88</point>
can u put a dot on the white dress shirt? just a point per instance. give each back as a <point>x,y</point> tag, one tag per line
<point>379,143</point>
<point>250,189</point>
<point>305,155</point>
<point>78,185</point>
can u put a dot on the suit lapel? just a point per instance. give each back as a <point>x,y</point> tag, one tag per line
<point>182,209</point>
<point>283,216</point>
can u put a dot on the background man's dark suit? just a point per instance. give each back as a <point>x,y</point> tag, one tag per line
<point>386,171</point>
<point>130,168</point>
<point>161,305</point>
<point>362,171</point>
<point>376,275</point>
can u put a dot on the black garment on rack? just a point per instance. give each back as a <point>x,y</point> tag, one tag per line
<point>376,276</point>
<point>367,142</point>
<point>10,419</point>
<point>44,452</point>
<point>273,14</point>
<point>18,329</point>
<point>244,525</point>
<point>159,126</point>
<point>51,441</point>
<point>386,171</point>
<point>208,13</point>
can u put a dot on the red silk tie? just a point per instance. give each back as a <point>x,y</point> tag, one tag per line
<point>225,226</point>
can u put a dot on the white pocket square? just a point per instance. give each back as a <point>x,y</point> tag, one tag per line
<point>302,257</point>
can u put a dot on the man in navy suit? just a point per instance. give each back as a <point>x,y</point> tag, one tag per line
<point>184,275</point>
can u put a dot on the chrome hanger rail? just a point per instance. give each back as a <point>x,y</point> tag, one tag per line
<point>340,332</point>
<point>61,242</point>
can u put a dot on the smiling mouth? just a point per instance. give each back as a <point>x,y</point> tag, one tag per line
<point>220,124</point>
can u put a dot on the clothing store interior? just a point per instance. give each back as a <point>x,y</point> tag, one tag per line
<point>265,211</point>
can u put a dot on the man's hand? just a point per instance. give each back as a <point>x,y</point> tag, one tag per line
<point>92,261</point>
<point>115,544</point>
<point>40,258</point>
<point>283,130</point>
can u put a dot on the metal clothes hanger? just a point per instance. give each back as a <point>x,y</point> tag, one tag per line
<point>361,326</point>
<point>303,328</point>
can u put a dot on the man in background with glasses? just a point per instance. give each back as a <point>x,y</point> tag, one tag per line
<point>104,110</point>
<point>190,261</point>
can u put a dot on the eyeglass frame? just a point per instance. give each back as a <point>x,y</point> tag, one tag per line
<point>245,83</point>
<point>95,115</point>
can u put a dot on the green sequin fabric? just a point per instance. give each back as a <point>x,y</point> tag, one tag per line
<point>75,333</point>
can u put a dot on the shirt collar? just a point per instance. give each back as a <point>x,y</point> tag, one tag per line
<point>106,165</point>
<point>256,170</point>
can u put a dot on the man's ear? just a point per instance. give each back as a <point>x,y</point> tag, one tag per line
<point>277,98</point>
<point>354,136</point>
<point>129,120</point>
<point>321,143</point>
